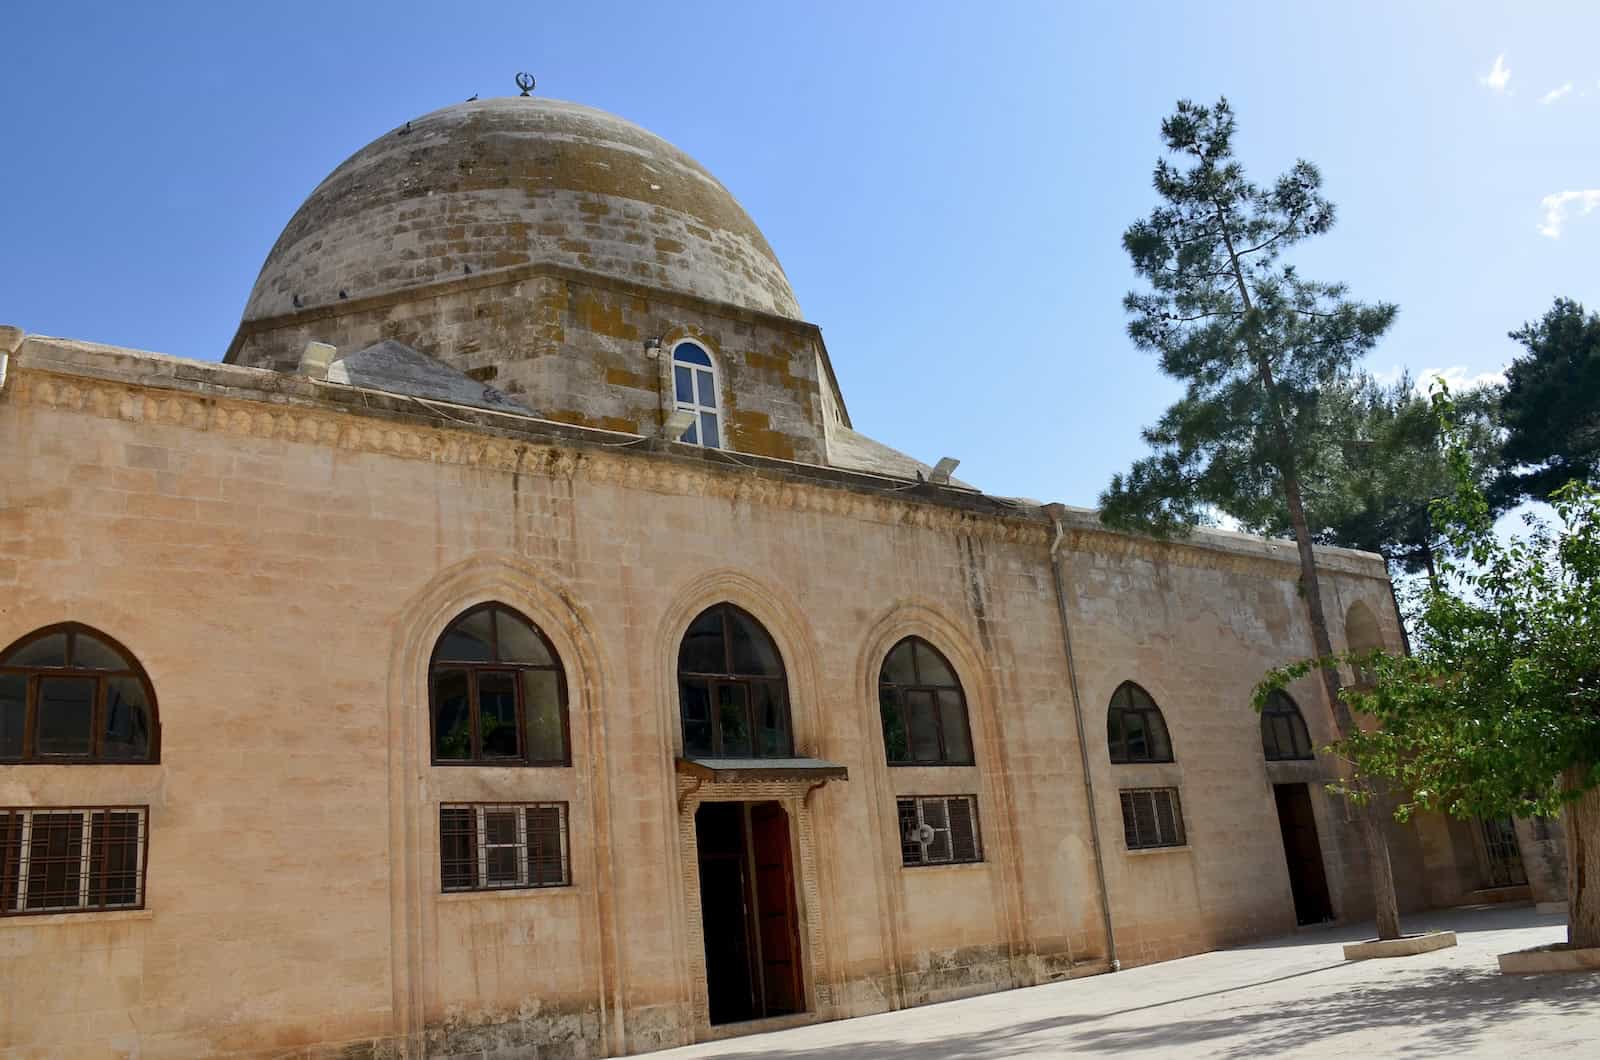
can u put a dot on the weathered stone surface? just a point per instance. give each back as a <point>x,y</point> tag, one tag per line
<point>1405,946</point>
<point>1557,958</point>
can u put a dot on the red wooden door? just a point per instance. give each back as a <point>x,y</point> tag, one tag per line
<point>779,927</point>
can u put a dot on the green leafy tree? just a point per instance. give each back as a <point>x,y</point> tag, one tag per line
<point>1383,467</point>
<point>1496,711</point>
<point>1552,404</point>
<point>1256,346</point>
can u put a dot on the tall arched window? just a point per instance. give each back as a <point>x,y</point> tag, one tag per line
<point>1283,730</point>
<point>924,710</point>
<point>1361,634</point>
<point>734,695</point>
<point>497,694</point>
<point>69,693</point>
<point>694,389</point>
<point>1135,730</point>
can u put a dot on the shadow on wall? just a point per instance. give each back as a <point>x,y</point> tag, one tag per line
<point>1459,1005</point>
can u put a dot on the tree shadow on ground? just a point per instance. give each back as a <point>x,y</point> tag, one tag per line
<point>1458,1006</point>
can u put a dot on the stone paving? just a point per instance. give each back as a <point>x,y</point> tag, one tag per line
<point>1293,996</point>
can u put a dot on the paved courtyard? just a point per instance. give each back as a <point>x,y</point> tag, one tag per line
<point>1294,996</point>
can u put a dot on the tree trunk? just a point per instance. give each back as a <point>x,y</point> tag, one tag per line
<point>1427,563</point>
<point>1385,905</point>
<point>1581,821</point>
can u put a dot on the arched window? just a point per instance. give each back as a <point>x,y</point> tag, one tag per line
<point>694,389</point>
<point>1283,730</point>
<point>1135,730</point>
<point>497,694</point>
<point>924,710</point>
<point>1361,634</point>
<point>734,696</point>
<point>69,693</point>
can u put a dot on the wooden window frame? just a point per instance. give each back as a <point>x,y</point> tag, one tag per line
<point>1116,728</point>
<point>1280,706</point>
<point>34,675</point>
<point>474,671</point>
<point>749,682</point>
<point>920,687</point>
<point>916,805</point>
<point>16,853</point>
<point>525,850</point>
<point>1133,836</point>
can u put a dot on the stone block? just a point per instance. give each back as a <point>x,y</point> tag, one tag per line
<point>1557,958</point>
<point>1406,946</point>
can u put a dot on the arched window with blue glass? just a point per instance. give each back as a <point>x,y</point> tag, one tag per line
<point>694,390</point>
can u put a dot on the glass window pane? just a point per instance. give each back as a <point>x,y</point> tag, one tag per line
<point>1114,740</point>
<point>953,713</point>
<point>519,642</point>
<point>541,702</point>
<point>91,653</point>
<point>772,716</point>
<point>702,648</point>
<point>46,651</point>
<point>458,848</point>
<point>899,667</point>
<point>696,703</point>
<point>706,389</point>
<point>712,437</point>
<point>544,845</point>
<point>66,715</point>
<point>55,855</point>
<point>931,668</point>
<point>497,715</point>
<point>754,654</point>
<point>683,384</point>
<point>1160,746</point>
<point>467,639</point>
<point>114,859</point>
<point>692,435</point>
<point>689,353</point>
<point>923,726</point>
<point>452,718</point>
<point>125,736</point>
<point>1133,732</point>
<point>13,713</point>
<point>896,741</point>
<point>733,720</point>
<point>910,826</point>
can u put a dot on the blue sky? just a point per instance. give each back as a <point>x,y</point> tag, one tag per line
<point>945,184</point>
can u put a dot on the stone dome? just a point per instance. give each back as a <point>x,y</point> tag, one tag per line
<point>499,183</point>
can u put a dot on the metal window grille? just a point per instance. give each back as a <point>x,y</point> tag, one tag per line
<point>939,830</point>
<point>1152,817</point>
<point>503,846</point>
<point>72,859</point>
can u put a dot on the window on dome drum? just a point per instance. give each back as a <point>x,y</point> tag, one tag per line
<point>1152,817</point>
<point>497,694</point>
<point>71,859</point>
<point>694,389</point>
<point>1135,730</point>
<point>496,846</point>
<point>70,694</point>
<point>733,692</point>
<point>924,710</point>
<point>939,830</point>
<point>1283,730</point>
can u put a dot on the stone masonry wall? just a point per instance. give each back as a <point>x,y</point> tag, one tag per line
<point>282,567</point>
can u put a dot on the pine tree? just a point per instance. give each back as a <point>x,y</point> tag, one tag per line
<point>1552,404</point>
<point>1256,346</point>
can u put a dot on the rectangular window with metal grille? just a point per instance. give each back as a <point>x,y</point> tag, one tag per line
<point>71,859</point>
<point>494,846</point>
<point>939,830</point>
<point>1152,817</point>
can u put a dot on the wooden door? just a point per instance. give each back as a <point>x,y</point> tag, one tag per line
<point>1303,852</point>
<point>778,926</point>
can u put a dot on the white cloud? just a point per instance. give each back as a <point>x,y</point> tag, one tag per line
<point>1458,376</point>
<point>1556,93</point>
<point>1498,77</point>
<point>1555,208</point>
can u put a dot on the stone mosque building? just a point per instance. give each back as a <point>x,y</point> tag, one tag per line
<point>513,648</point>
